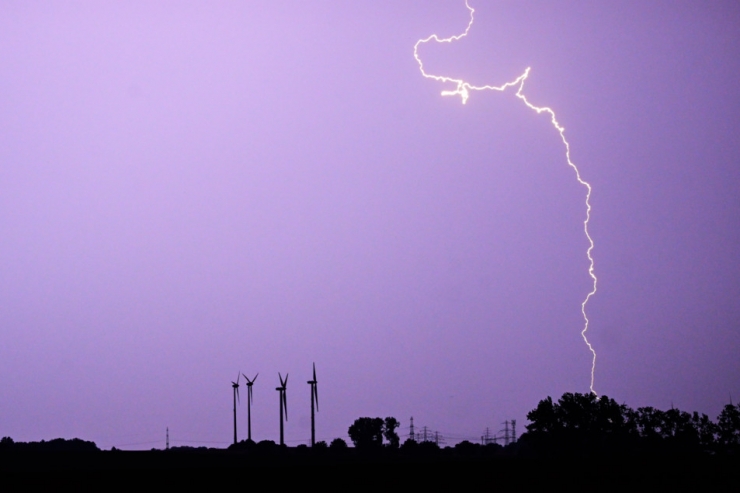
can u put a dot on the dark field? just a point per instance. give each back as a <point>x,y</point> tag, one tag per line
<point>292,466</point>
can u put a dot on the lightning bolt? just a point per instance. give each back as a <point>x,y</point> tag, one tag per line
<point>463,90</point>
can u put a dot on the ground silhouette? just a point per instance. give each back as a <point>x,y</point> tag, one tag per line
<point>611,442</point>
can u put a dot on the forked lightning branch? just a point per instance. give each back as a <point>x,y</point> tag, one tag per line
<point>463,90</point>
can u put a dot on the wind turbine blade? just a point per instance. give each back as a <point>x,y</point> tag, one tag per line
<point>237,394</point>
<point>238,374</point>
<point>314,372</point>
<point>286,380</point>
<point>281,379</point>
<point>249,394</point>
<point>316,395</point>
<point>255,377</point>
<point>285,405</point>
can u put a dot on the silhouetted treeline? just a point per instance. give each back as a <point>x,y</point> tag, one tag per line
<point>338,450</point>
<point>584,424</point>
<point>57,445</point>
<point>577,424</point>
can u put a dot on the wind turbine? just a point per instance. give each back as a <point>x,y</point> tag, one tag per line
<point>249,404</point>
<point>283,404</point>
<point>314,399</point>
<point>235,386</point>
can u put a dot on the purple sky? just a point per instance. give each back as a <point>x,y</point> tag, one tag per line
<point>190,189</point>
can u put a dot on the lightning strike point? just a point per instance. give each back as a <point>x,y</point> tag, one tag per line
<point>463,90</point>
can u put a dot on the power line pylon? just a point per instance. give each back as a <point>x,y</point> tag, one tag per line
<point>487,438</point>
<point>426,434</point>
<point>439,439</point>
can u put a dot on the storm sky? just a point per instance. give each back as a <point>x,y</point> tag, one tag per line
<point>193,189</point>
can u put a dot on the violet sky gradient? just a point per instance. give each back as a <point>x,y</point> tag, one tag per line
<point>190,189</point>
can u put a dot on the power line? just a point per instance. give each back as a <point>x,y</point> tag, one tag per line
<point>138,443</point>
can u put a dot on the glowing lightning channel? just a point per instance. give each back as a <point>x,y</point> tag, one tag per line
<point>463,90</point>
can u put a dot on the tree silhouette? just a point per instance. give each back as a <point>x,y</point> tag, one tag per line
<point>367,433</point>
<point>580,424</point>
<point>338,444</point>
<point>728,429</point>
<point>389,431</point>
<point>586,424</point>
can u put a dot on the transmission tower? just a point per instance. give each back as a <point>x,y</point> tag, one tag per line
<point>424,432</point>
<point>439,439</point>
<point>513,430</point>
<point>167,442</point>
<point>487,438</point>
<point>412,437</point>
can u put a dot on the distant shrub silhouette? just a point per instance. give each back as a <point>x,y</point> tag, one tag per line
<point>267,448</point>
<point>428,447</point>
<point>468,449</point>
<point>55,445</point>
<point>409,445</point>
<point>338,444</point>
<point>244,445</point>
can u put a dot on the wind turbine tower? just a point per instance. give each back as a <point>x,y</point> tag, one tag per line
<point>283,404</point>
<point>235,386</point>
<point>314,400</point>
<point>249,404</point>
